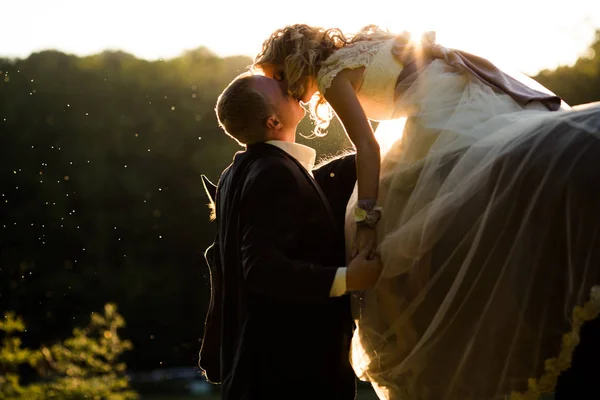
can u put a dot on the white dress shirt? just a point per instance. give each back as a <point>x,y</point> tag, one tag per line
<point>306,157</point>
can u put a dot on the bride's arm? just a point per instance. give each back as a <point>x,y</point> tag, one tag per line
<point>341,95</point>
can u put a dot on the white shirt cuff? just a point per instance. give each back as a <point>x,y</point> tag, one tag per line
<point>338,288</point>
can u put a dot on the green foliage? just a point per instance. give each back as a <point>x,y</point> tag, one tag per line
<point>100,163</point>
<point>84,366</point>
<point>577,84</point>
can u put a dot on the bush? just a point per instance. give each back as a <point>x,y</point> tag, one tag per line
<point>84,366</point>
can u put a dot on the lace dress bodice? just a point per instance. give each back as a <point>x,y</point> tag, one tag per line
<point>376,93</point>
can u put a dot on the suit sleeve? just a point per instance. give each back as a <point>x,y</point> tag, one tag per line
<point>341,169</point>
<point>337,179</point>
<point>269,220</point>
<point>210,356</point>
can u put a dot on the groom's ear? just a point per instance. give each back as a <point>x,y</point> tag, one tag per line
<point>274,123</point>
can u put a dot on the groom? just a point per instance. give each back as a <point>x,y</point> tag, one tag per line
<point>279,324</point>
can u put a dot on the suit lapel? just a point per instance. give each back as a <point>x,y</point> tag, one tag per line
<point>313,183</point>
<point>318,189</point>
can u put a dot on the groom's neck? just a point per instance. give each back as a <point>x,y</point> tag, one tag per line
<point>289,136</point>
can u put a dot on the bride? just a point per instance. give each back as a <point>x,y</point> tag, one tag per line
<point>484,210</point>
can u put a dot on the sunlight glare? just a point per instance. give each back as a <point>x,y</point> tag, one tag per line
<point>556,36</point>
<point>388,132</point>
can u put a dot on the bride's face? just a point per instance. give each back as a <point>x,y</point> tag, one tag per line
<point>277,73</point>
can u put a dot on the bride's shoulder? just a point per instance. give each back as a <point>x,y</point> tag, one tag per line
<point>351,56</point>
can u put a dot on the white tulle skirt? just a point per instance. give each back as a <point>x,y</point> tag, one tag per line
<point>490,241</point>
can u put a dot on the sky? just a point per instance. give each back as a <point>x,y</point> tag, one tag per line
<point>520,35</point>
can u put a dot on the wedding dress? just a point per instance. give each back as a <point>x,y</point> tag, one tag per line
<point>490,236</point>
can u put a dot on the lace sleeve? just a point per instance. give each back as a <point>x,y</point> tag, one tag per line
<point>353,56</point>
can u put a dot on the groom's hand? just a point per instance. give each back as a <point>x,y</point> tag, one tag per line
<point>365,239</point>
<point>363,271</point>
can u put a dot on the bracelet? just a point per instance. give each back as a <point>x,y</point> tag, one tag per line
<point>367,204</point>
<point>367,218</point>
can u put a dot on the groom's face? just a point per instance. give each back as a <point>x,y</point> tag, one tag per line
<point>288,109</point>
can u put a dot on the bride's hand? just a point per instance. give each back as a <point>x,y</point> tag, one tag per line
<point>365,240</point>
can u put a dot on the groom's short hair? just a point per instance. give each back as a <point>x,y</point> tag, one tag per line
<point>242,111</point>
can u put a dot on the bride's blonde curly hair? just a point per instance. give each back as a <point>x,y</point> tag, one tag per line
<point>301,49</point>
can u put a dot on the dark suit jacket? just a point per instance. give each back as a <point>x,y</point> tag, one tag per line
<point>337,178</point>
<point>277,249</point>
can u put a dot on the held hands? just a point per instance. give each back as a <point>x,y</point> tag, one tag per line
<point>363,271</point>
<point>366,216</point>
<point>365,267</point>
<point>365,240</point>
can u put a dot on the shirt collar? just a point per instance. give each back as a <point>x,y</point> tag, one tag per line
<point>303,154</point>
